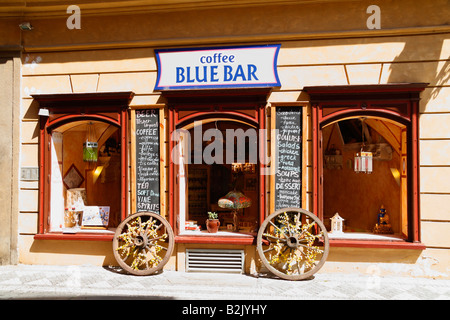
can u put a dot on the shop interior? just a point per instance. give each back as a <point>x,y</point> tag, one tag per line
<point>366,190</point>
<point>85,186</point>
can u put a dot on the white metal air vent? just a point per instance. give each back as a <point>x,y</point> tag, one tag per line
<point>214,260</point>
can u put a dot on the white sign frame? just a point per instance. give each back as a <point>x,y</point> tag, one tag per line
<point>217,67</point>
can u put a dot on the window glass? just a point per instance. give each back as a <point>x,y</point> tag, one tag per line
<point>371,202</point>
<point>211,174</point>
<point>85,176</point>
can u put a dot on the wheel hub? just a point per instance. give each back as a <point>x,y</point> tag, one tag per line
<point>292,242</point>
<point>140,241</point>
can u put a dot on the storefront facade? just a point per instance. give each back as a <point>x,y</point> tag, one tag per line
<point>185,110</point>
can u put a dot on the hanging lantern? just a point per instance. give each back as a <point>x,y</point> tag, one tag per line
<point>364,162</point>
<point>90,150</point>
<point>90,147</point>
<point>364,159</point>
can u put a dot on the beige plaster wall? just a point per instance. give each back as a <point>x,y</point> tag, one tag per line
<point>284,21</point>
<point>9,155</point>
<point>406,53</point>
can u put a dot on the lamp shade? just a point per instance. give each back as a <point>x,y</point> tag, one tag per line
<point>234,200</point>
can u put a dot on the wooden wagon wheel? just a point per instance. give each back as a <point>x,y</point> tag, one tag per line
<point>143,243</point>
<point>293,243</point>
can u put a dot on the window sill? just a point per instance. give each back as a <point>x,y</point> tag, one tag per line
<point>369,240</point>
<point>221,237</point>
<point>82,235</point>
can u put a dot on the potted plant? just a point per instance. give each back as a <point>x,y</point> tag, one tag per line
<point>212,223</point>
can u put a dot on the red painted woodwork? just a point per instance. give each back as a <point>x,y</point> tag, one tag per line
<point>78,236</point>
<point>377,244</point>
<point>398,102</point>
<point>188,106</point>
<point>216,239</point>
<point>262,179</point>
<point>108,107</point>
<point>414,170</point>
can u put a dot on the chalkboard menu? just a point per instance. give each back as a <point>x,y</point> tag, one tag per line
<point>288,178</point>
<point>147,160</point>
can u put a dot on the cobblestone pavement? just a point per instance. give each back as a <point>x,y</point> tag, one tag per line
<point>92,282</point>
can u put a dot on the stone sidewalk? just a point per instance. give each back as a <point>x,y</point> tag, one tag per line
<point>92,282</point>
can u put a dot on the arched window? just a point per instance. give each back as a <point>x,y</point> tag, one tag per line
<point>382,121</point>
<point>83,165</point>
<point>207,120</point>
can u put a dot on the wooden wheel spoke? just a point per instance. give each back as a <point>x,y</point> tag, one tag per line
<point>278,229</point>
<point>156,245</point>
<point>269,249</point>
<point>304,246</point>
<point>149,223</point>
<point>125,257</point>
<point>158,238</point>
<point>274,237</point>
<point>299,218</point>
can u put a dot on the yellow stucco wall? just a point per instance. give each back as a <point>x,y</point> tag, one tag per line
<point>321,44</point>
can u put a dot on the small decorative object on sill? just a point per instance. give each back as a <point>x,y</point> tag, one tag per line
<point>337,224</point>
<point>95,216</point>
<point>72,218</point>
<point>75,203</point>
<point>383,225</point>
<point>191,225</point>
<point>76,197</point>
<point>212,223</point>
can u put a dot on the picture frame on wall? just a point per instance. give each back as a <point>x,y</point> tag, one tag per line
<point>73,178</point>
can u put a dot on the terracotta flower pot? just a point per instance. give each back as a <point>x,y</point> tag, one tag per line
<point>212,225</point>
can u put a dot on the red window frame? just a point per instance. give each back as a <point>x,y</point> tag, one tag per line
<point>224,103</point>
<point>63,108</point>
<point>330,103</point>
